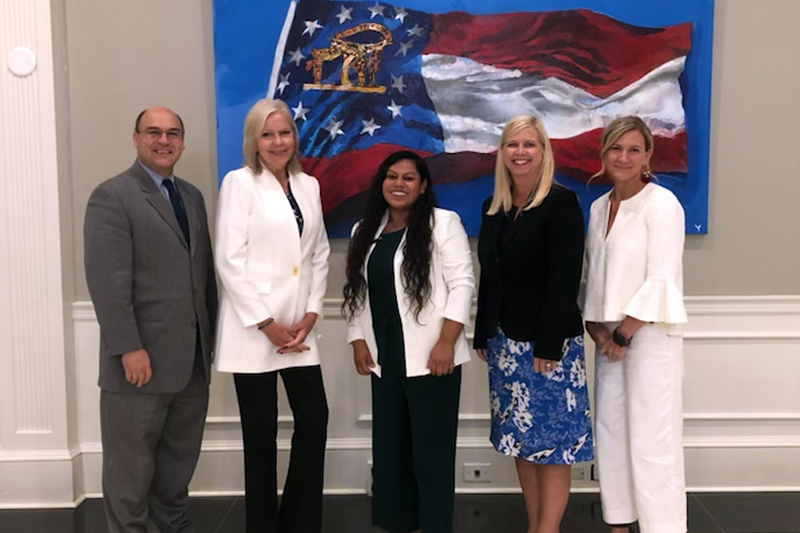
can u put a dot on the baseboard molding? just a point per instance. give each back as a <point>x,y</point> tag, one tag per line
<point>38,481</point>
<point>735,490</point>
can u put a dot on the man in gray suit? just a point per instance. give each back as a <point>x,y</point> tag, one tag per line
<point>150,273</point>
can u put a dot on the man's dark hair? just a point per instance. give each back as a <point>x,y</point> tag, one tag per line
<point>139,121</point>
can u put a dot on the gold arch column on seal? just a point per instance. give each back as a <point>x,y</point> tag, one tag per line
<point>364,58</point>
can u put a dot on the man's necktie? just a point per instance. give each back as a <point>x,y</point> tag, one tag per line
<point>177,206</point>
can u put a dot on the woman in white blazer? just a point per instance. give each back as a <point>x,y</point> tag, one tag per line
<point>634,313</point>
<point>407,297</point>
<point>272,258</point>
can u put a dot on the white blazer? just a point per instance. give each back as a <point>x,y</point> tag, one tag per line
<point>452,285</point>
<point>266,269</point>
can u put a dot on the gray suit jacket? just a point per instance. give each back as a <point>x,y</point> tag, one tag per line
<point>150,290</point>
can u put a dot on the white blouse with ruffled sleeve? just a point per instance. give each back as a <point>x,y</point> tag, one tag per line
<point>637,269</point>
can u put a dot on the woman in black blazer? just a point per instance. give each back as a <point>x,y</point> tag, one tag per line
<point>529,327</point>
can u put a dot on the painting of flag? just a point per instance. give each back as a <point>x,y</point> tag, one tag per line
<point>364,79</point>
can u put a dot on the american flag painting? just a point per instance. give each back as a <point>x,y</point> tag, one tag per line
<point>364,79</point>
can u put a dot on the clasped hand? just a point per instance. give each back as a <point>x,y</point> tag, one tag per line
<point>291,339</point>
<point>612,350</point>
<point>603,340</point>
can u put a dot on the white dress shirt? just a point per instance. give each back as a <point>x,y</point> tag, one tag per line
<point>637,269</point>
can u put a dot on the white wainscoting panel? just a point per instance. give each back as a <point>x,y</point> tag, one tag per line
<point>741,398</point>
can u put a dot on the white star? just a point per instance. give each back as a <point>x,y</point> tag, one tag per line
<point>404,48</point>
<point>397,83</point>
<point>300,111</point>
<point>297,57</point>
<point>400,14</point>
<point>345,14</point>
<point>335,127</point>
<point>311,27</point>
<point>284,83</point>
<point>416,31</point>
<point>395,109</point>
<point>376,10</point>
<point>369,126</point>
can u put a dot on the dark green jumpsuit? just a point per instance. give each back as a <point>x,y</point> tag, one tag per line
<point>414,419</point>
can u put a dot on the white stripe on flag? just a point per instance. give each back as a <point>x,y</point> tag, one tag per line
<point>280,50</point>
<point>491,96</point>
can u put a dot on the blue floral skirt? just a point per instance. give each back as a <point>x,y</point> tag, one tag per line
<point>542,418</point>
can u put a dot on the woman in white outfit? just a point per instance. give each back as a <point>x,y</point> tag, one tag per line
<point>272,258</point>
<point>634,312</point>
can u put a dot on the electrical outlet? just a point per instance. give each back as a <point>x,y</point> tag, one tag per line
<point>477,472</point>
<point>580,472</point>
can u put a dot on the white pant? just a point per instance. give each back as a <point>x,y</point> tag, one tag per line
<point>639,435</point>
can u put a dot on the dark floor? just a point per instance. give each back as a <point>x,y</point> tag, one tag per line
<point>708,513</point>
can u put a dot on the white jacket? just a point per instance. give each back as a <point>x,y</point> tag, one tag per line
<point>452,285</point>
<point>266,269</point>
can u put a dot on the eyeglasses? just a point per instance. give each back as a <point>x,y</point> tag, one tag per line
<point>155,134</point>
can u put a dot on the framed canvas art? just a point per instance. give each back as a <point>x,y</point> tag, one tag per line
<point>441,78</point>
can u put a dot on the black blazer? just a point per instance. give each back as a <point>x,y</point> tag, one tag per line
<point>530,274</point>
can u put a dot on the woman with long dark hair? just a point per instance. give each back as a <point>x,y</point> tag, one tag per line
<point>407,297</point>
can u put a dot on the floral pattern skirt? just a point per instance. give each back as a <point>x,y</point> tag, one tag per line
<point>542,418</point>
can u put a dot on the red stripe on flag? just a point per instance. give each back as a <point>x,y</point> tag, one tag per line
<point>586,49</point>
<point>578,157</point>
<point>460,167</point>
<point>348,173</point>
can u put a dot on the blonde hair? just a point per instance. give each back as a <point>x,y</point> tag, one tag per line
<point>254,123</point>
<point>502,198</point>
<point>618,128</point>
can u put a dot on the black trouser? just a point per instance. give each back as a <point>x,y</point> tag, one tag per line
<point>301,504</point>
<point>415,421</point>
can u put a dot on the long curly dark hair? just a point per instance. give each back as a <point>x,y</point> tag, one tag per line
<point>418,245</point>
